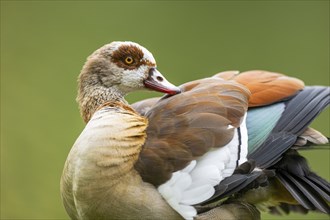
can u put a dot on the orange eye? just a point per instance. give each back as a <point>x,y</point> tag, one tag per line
<point>129,60</point>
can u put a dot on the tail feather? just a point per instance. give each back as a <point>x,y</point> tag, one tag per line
<point>320,182</point>
<point>321,189</point>
<point>310,190</point>
<point>285,208</point>
<point>305,194</point>
<point>295,192</point>
<point>312,137</point>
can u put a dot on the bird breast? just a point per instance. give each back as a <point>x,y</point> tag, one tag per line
<point>100,169</point>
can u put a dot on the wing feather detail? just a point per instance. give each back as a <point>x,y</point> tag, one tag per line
<point>186,126</point>
<point>265,87</point>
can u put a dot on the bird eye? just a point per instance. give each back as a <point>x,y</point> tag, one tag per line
<point>129,60</point>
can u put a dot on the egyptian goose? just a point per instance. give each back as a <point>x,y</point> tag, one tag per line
<point>214,148</point>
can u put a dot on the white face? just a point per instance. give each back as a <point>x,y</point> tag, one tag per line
<point>132,74</point>
<point>133,79</point>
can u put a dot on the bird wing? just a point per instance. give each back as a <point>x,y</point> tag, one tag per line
<point>276,152</point>
<point>273,132</point>
<point>192,141</point>
<point>265,87</point>
<point>279,113</point>
<point>186,126</point>
<point>287,121</point>
<point>191,123</point>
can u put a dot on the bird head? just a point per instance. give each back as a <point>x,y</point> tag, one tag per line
<point>116,69</point>
<point>125,67</point>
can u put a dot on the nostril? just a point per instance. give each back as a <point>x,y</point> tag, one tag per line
<point>160,79</point>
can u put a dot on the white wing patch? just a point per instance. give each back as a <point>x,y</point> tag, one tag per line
<point>195,183</point>
<point>244,142</point>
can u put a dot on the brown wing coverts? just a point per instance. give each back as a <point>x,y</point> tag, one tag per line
<point>265,87</point>
<point>185,126</point>
<point>143,106</point>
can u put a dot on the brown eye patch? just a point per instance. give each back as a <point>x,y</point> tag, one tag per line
<point>126,53</point>
<point>129,57</point>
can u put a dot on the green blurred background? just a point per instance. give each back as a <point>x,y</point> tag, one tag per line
<point>45,43</point>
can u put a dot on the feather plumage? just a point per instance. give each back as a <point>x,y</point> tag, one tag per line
<point>177,158</point>
<point>265,87</point>
<point>208,109</point>
<point>272,130</point>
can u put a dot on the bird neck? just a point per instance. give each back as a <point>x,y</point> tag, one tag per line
<point>91,98</point>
